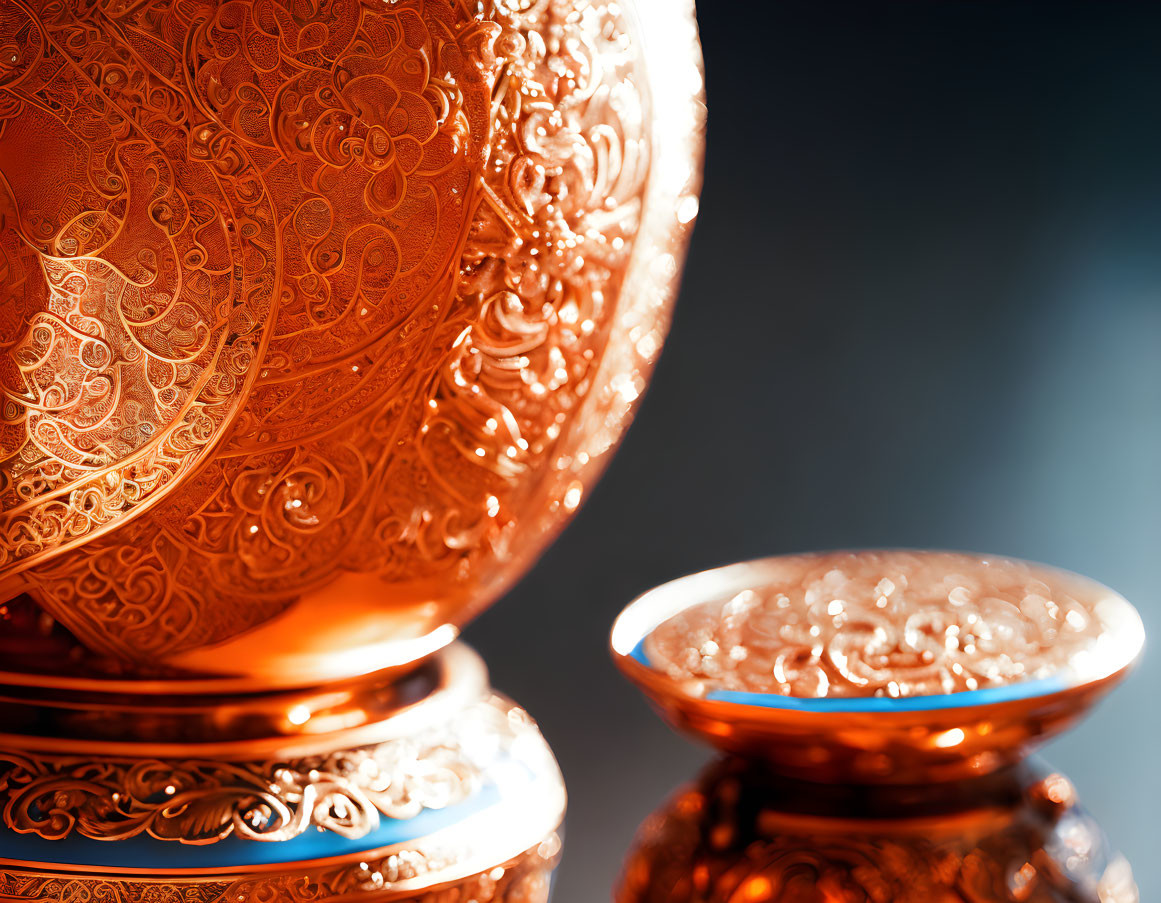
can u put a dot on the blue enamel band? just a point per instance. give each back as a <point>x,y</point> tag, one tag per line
<point>1028,689</point>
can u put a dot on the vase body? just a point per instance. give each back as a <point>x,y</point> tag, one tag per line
<point>319,317</point>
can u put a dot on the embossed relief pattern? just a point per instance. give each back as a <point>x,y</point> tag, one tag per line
<point>136,275</point>
<point>883,624</point>
<point>524,879</point>
<point>346,791</point>
<point>371,253</point>
<point>201,801</point>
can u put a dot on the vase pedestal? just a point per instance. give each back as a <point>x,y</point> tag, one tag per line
<point>428,786</point>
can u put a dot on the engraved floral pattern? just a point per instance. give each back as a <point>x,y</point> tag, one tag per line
<point>884,624</point>
<point>203,801</point>
<point>524,879</point>
<point>378,252</point>
<point>136,285</point>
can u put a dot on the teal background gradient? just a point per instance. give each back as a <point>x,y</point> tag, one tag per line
<point>922,308</point>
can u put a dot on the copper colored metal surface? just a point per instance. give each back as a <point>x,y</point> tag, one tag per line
<point>238,726</point>
<point>399,792</point>
<point>321,318</point>
<point>881,704</point>
<point>795,660</point>
<point>887,624</point>
<point>318,320</point>
<point>523,879</point>
<point>741,835</point>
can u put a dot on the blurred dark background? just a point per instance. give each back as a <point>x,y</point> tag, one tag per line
<point>922,308</point>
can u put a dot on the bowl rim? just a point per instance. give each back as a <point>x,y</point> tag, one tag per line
<point>1123,641</point>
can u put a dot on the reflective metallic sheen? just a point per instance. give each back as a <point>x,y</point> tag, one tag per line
<point>740,835</point>
<point>808,662</point>
<point>878,707</point>
<point>318,319</point>
<point>376,792</point>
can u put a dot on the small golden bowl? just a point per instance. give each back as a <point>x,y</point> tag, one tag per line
<point>878,666</point>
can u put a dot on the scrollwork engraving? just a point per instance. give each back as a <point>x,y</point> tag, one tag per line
<point>523,879</point>
<point>882,624</point>
<point>201,802</point>
<point>318,290</point>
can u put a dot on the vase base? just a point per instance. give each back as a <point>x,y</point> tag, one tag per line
<point>371,789</point>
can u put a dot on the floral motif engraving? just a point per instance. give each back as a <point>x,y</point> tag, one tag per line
<point>340,326</point>
<point>523,879</point>
<point>135,280</point>
<point>882,623</point>
<point>203,801</point>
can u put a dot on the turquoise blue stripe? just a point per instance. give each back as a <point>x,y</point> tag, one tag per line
<point>149,853</point>
<point>1028,689</point>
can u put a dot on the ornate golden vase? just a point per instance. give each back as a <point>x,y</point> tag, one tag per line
<point>876,709</point>
<point>318,320</point>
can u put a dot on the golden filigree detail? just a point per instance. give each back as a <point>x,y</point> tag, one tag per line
<point>522,879</point>
<point>384,242</point>
<point>136,283</point>
<point>883,623</point>
<point>194,801</point>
